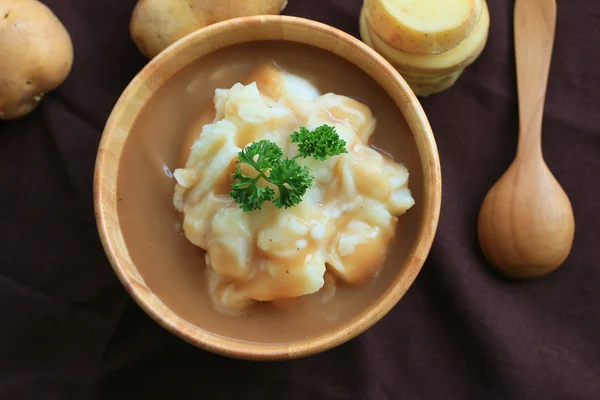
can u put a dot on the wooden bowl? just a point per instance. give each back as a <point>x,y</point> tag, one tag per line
<point>425,176</point>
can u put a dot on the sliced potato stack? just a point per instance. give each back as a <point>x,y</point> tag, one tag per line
<point>430,42</point>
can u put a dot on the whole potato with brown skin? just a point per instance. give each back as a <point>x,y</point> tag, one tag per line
<point>156,24</point>
<point>36,55</point>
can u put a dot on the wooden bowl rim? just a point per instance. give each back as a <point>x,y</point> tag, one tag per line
<point>105,194</point>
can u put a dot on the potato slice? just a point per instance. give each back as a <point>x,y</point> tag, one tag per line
<point>423,26</point>
<point>424,86</point>
<point>431,65</point>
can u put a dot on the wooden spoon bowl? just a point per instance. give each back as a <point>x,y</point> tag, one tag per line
<point>526,224</point>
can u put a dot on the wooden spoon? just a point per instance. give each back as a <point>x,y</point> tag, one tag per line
<point>526,223</point>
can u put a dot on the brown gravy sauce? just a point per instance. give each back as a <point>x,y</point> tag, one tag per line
<point>159,143</point>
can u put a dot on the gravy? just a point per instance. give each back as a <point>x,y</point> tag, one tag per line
<point>159,143</point>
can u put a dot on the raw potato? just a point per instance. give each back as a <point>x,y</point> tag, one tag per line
<point>156,24</point>
<point>428,74</point>
<point>423,26</point>
<point>36,53</point>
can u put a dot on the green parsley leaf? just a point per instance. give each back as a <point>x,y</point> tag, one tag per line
<point>247,193</point>
<point>292,180</point>
<point>261,155</point>
<point>320,143</point>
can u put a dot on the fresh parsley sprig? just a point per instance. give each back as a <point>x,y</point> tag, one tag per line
<point>247,193</point>
<point>320,143</point>
<point>262,156</point>
<point>291,179</point>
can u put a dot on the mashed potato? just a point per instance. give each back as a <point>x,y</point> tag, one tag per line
<point>341,227</point>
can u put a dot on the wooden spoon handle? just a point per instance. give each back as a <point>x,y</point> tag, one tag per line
<point>534,25</point>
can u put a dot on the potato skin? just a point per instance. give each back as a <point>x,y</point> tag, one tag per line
<point>36,52</point>
<point>156,24</point>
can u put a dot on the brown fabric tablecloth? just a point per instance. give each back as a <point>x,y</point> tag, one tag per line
<point>68,330</point>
